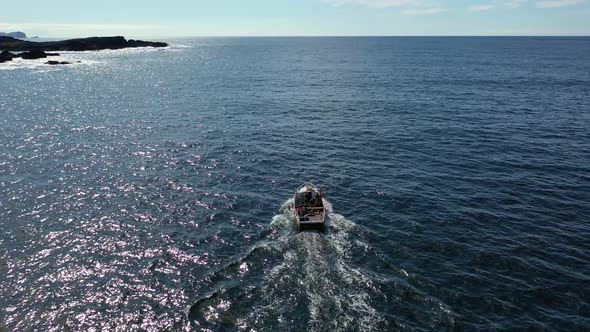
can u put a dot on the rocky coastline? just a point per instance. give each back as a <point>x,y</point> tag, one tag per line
<point>37,50</point>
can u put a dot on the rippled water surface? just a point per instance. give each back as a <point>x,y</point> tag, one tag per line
<point>149,189</point>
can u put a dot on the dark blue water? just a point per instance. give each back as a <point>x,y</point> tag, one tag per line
<point>149,189</point>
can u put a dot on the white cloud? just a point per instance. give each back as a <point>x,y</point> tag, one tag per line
<point>425,11</point>
<point>481,8</point>
<point>558,3</point>
<point>414,7</point>
<point>376,3</point>
<point>516,3</point>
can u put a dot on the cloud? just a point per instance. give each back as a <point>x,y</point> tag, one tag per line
<point>425,11</point>
<point>558,3</point>
<point>515,3</point>
<point>481,8</point>
<point>376,3</point>
<point>415,7</point>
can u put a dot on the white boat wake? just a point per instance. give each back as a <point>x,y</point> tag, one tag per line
<point>312,277</point>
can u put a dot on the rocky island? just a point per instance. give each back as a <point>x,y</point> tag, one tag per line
<point>36,50</point>
<point>16,34</point>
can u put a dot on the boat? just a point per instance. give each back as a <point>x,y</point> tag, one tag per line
<point>310,212</point>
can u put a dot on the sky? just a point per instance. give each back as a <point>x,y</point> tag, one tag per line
<point>184,18</point>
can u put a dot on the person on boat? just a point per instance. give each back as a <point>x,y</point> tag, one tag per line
<point>315,201</point>
<point>308,196</point>
<point>301,211</point>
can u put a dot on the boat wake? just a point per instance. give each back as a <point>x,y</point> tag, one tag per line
<point>294,281</point>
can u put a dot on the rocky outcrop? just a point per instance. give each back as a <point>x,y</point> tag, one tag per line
<point>16,34</point>
<point>35,50</point>
<point>141,43</point>
<point>7,56</point>
<point>35,54</point>
<point>81,44</point>
<point>53,63</point>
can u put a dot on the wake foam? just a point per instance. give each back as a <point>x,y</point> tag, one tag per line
<point>296,281</point>
<point>285,220</point>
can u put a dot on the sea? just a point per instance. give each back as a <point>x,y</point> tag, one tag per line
<point>151,189</point>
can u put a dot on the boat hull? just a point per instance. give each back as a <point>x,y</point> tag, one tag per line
<point>311,226</point>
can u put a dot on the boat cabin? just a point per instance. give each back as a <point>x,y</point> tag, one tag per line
<point>309,206</point>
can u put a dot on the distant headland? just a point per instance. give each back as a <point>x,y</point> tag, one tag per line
<point>16,34</point>
<point>36,50</point>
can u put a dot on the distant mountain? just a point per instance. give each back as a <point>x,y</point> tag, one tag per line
<point>16,34</point>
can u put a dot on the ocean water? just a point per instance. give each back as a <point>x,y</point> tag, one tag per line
<point>150,189</point>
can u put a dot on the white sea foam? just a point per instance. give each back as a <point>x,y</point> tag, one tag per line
<point>315,268</point>
<point>38,65</point>
<point>75,58</point>
<point>320,264</point>
<point>286,218</point>
<point>174,45</point>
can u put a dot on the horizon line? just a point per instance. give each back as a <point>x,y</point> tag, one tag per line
<point>315,36</point>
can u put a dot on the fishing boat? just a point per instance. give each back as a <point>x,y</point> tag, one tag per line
<point>310,212</point>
